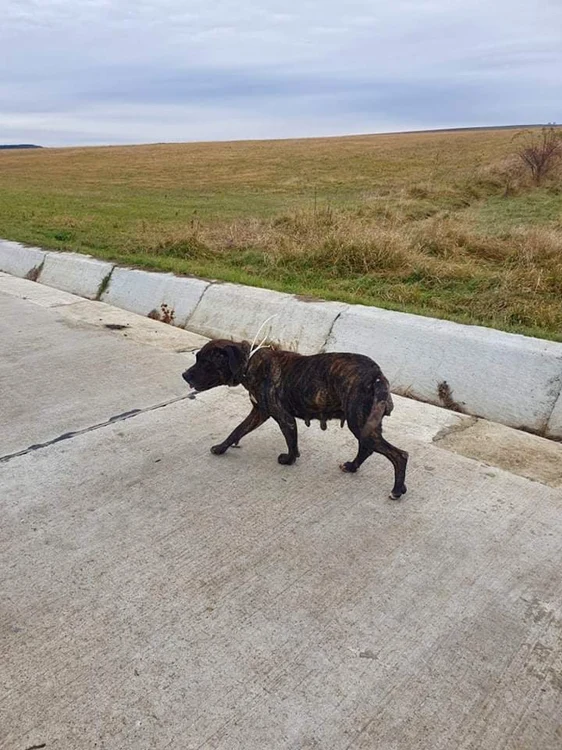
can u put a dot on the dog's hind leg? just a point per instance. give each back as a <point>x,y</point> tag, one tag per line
<point>369,435</point>
<point>377,444</point>
<point>254,420</point>
<point>399,460</point>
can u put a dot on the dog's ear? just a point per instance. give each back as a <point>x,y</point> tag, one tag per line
<point>236,362</point>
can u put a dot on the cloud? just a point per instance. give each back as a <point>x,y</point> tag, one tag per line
<point>104,71</point>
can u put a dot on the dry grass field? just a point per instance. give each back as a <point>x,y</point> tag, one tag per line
<point>439,223</point>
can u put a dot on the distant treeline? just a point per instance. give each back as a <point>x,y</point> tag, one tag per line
<point>19,145</point>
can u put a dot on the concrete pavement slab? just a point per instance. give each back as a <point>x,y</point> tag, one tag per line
<point>56,377</point>
<point>132,326</point>
<point>37,293</point>
<point>99,314</point>
<point>156,596</point>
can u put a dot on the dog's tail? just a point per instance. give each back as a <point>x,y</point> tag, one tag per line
<point>382,405</point>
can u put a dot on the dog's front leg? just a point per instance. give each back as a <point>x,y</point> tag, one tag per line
<point>254,419</point>
<point>288,426</point>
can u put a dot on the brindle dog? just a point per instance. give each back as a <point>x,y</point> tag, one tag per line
<point>284,385</point>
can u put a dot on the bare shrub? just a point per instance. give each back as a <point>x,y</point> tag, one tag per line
<point>540,152</point>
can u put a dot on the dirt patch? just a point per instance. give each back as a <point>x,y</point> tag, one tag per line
<point>445,395</point>
<point>164,315</point>
<point>34,273</point>
<point>518,452</point>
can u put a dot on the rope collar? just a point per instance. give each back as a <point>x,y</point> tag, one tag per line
<point>261,345</point>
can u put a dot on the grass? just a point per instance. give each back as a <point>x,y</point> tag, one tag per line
<point>439,224</point>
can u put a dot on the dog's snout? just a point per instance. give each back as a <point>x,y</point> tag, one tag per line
<point>186,377</point>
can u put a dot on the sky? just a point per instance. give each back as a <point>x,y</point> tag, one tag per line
<point>77,72</point>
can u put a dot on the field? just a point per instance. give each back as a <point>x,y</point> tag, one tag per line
<point>440,223</point>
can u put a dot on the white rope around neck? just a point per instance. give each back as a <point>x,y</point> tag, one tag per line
<point>253,347</point>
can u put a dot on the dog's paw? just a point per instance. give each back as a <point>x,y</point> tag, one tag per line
<point>218,450</point>
<point>286,459</point>
<point>348,467</point>
<point>397,494</point>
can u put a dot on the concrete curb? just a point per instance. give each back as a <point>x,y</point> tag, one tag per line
<point>77,274</point>
<point>231,310</point>
<point>25,262</point>
<point>504,377</point>
<point>511,379</point>
<point>162,296</point>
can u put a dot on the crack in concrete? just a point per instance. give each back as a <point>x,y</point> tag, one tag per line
<point>334,321</point>
<point>76,433</point>
<point>104,284</point>
<point>558,396</point>
<point>452,429</point>
<point>210,283</point>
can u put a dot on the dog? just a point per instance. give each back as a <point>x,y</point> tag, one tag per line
<point>288,386</point>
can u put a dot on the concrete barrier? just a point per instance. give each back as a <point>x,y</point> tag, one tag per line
<point>554,428</point>
<point>232,311</point>
<point>160,295</point>
<point>507,378</point>
<point>500,376</point>
<point>20,260</point>
<point>77,274</point>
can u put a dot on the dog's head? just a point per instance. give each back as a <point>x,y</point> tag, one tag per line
<point>218,363</point>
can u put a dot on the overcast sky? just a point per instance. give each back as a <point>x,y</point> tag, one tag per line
<point>132,71</point>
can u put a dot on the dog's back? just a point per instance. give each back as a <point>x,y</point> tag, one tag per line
<point>320,386</point>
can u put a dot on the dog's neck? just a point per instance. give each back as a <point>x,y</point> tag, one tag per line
<point>251,354</point>
<point>249,361</point>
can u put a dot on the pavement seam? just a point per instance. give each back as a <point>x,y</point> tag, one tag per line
<point>76,433</point>
<point>58,304</point>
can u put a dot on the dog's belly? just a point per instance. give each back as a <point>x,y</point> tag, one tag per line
<point>322,415</point>
<point>321,405</point>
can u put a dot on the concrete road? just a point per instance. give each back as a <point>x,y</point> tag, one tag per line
<point>156,596</point>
